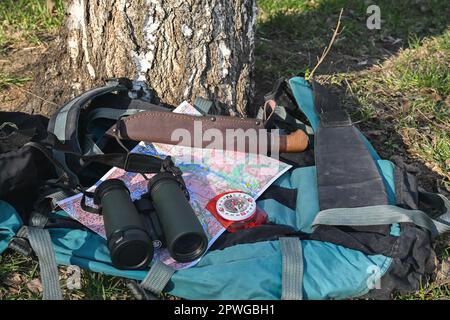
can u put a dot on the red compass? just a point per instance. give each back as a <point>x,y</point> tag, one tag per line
<point>236,210</point>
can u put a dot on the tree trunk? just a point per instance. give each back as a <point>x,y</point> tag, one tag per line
<point>182,49</point>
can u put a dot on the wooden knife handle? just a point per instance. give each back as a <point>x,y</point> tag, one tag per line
<point>297,141</point>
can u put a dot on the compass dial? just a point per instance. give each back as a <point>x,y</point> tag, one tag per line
<point>236,206</point>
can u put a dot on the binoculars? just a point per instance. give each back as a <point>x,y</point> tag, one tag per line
<point>162,217</point>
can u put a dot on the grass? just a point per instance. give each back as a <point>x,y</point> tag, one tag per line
<point>394,81</point>
<point>410,93</point>
<point>294,32</point>
<point>19,273</point>
<point>27,21</point>
<point>9,80</point>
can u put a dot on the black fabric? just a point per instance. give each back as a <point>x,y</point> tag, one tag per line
<point>413,260</point>
<point>347,175</point>
<point>62,222</point>
<point>431,203</point>
<point>299,159</point>
<point>12,138</point>
<point>265,232</point>
<point>23,168</point>
<point>338,118</point>
<point>132,162</point>
<point>285,196</point>
<point>328,109</point>
<point>406,187</point>
<point>30,127</point>
<point>324,100</point>
<point>370,240</point>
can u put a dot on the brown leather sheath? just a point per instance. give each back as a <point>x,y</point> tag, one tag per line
<point>201,132</point>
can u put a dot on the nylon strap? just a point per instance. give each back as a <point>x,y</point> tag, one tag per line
<point>157,278</point>
<point>111,113</point>
<point>58,123</point>
<point>444,219</point>
<point>292,274</point>
<point>382,215</point>
<point>41,243</point>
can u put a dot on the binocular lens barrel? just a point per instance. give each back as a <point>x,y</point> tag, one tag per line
<point>184,236</point>
<point>129,244</point>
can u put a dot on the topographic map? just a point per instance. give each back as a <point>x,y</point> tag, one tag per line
<point>207,173</point>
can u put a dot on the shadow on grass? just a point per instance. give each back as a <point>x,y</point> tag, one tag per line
<point>292,34</point>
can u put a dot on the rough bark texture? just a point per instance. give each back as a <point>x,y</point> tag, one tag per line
<point>182,49</point>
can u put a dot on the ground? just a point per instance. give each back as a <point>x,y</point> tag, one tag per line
<point>395,83</point>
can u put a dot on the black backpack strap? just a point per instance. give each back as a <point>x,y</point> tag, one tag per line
<point>64,124</point>
<point>78,148</point>
<point>347,175</point>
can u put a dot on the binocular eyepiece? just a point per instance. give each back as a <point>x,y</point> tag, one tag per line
<point>163,215</point>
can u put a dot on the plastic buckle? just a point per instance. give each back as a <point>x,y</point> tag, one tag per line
<point>20,245</point>
<point>8,129</point>
<point>169,166</point>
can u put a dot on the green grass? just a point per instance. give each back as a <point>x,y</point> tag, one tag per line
<point>410,91</point>
<point>27,20</point>
<point>294,32</point>
<point>425,66</point>
<point>9,80</point>
<point>16,271</point>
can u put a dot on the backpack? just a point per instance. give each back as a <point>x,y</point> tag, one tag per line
<point>22,166</point>
<point>344,223</point>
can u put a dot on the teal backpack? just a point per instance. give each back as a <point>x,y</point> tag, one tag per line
<point>343,222</point>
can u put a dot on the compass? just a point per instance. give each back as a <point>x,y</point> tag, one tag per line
<point>236,206</point>
<point>236,210</point>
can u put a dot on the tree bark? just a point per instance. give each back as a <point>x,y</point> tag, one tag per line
<point>181,49</point>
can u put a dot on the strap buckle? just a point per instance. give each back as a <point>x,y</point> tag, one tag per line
<point>20,243</point>
<point>8,129</point>
<point>168,166</point>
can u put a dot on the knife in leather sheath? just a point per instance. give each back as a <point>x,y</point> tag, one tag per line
<point>237,134</point>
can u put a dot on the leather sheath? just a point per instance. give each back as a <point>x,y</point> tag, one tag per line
<point>159,126</point>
